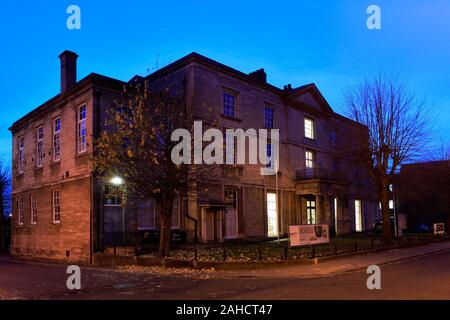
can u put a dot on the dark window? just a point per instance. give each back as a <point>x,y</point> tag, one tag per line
<point>229,104</point>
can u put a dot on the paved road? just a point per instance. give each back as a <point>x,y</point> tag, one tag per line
<point>426,277</point>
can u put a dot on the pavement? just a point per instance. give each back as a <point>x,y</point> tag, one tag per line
<point>409,273</point>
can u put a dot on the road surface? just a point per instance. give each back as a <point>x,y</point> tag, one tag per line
<point>425,277</point>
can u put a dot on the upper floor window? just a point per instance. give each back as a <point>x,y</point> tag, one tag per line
<point>57,139</point>
<point>309,128</point>
<point>33,206</point>
<point>268,117</point>
<point>82,131</point>
<point>333,138</point>
<point>229,104</point>
<point>20,209</point>
<point>21,153</point>
<point>309,159</point>
<point>56,202</point>
<point>40,147</point>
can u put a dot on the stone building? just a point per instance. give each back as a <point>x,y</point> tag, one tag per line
<point>63,211</point>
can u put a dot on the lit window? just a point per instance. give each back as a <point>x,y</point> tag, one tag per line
<point>390,188</point>
<point>33,206</point>
<point>56,201</point>
<point>358,216</point>
<point>309,128</point>
<point>269,154</point>
<point>391,204</point>
<point>20,210</point>
<point>229,104</point>
<point>82,131</point>
<point>21,153</point>
<point>309,159</point>
<point>272,215</point>
<point>310,211</point>
<point>268,117</point>
<point>57,139</point>
<point>40,147</point>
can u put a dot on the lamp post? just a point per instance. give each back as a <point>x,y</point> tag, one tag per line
<point>118,181</point>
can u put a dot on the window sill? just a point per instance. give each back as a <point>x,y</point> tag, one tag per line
<point>231,118</point>
<point>55,163</point>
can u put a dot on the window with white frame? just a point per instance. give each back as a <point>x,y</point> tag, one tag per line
<point>310,211</point>
<point>33,206</point>
<point>56,202</point>
<point>231,214</point>
<point>20,210</point>
<point>149,215</point>
<point>272,214</point>
<point>229,104</point>
<point>269,117</point>
<point>112,195</point>
<point>21,153</point>
<point>309,162</point>
<point>82,130</point>
<point>175,221</point>
<point>40,147</point>
<point>358,216</point>
<point>57,139</point>
<point>309,128</point>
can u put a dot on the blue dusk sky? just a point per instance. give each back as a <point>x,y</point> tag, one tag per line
<point>298,42</point>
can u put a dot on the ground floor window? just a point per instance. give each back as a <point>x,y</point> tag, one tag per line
<point>149,215</point>
<point>231,219</point>
<point>20,209</point>
<point>33,200</point>
<point>358,216</point>
<point>56,206</point>
<point>272,215</point>
<point>311,211</point>
<point>335,208</point>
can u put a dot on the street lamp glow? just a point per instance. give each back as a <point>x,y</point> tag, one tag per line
<point>117,181</point>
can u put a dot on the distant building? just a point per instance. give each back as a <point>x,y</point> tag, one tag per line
<point>63,211</point>
<point>424,194</point>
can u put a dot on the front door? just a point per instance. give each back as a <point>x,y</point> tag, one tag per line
<point>210,225</point>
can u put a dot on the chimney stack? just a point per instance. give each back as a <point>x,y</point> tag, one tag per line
<point>68,70</point>
<point>259,75</point>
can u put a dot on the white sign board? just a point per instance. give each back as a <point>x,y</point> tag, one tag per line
<point>439,228</point>
<point>308,234</point>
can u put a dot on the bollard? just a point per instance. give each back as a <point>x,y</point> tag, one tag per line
<point>260,254</point>
<point>195,254</point>
<point>313,253</point>
<point>114,250</point>
<point>286,253</point>
<point>335,250</point>
<point>224,255</point>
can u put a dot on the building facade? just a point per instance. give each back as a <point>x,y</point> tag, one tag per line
<point>61,210</point>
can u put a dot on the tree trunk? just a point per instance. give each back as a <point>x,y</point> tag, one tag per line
<point>165,231</point>
<point>384,195</point>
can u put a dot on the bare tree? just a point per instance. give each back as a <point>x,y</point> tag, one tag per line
<point>5,182</point>
<point>136,145</point>
<point>399,126</point>
<point>441,152</point>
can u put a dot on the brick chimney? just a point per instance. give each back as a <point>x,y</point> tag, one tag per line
<point>68,69</point>
<point>259,75</point>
